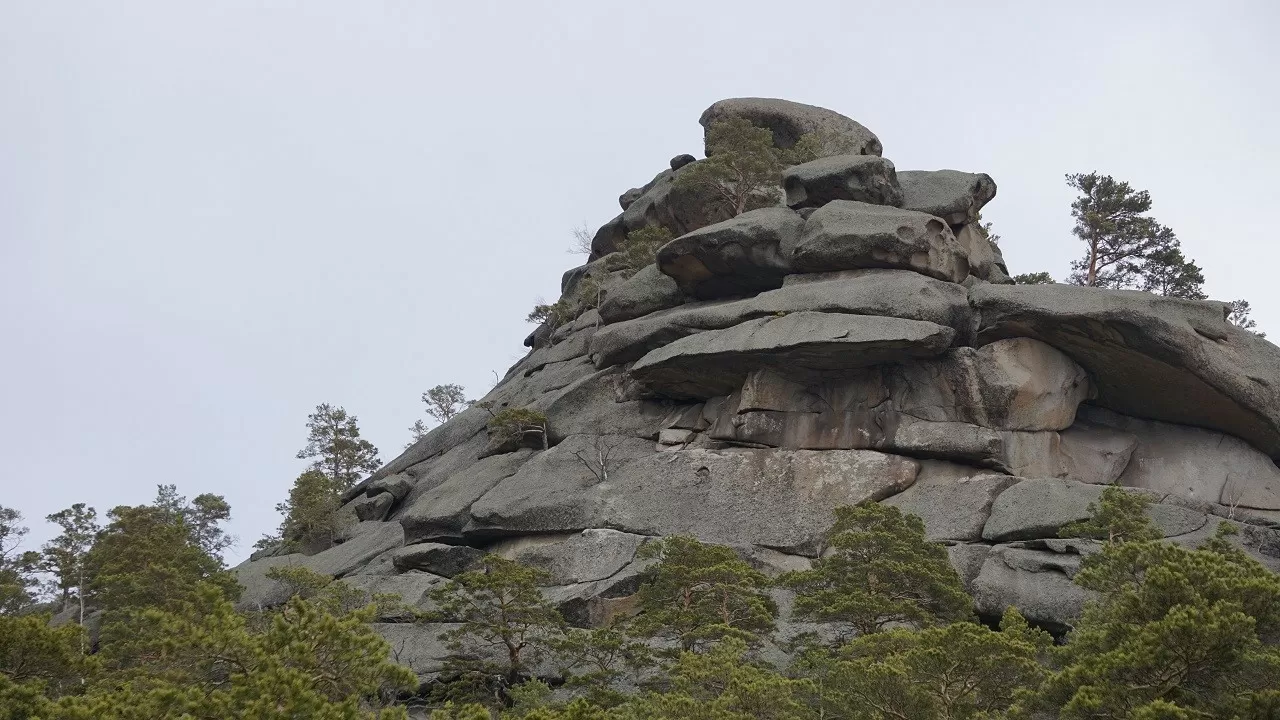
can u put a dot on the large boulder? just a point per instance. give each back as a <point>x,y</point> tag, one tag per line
<point>846,235</point>
<point>789,121</point>
<point>985,259</point>
<point>444,510</point>
<point>889,293</point>
<point>956,197</point>
<point>953,500</point>
<point>739,256</point>
<point>678,207</point>
<point>865,178</point>
<point>1037,582</point>
<point>591,555</point>
<point>716,362</point>
<point>649,290</point>
<point>1194,463</point>
<point>1039,508</point>
<point>1150,356</point>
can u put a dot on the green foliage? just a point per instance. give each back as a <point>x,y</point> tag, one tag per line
<point>202,660</point>
<point>334,596</point>
<point>63,557</point>
<point>517,426</point>
<point>743,169</point>
<point>506,624</point>
<point>957,672</point>
<point>311,512</point>
<point>1176,633</point>
<point>1238,315</point>
<point>202,517</point>
<point>700,594</point>
<point>595,660</point>
<point>43,659</point>
<point>640,249</point>
<point>445,401</point>
<point>17,567</point>
<point>1167,272</point>
<point>721,684</point>
<point>1036,278</point>
<point>1117,517</point>
<point>878,570</point>
<point>146,558</point>
<point>333,439</point>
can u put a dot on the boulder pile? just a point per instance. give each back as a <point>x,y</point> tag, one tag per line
<point>861,340</point>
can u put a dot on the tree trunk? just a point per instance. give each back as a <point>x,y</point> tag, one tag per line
<point>1093,262</point>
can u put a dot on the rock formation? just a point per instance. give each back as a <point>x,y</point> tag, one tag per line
<point>859,341</point>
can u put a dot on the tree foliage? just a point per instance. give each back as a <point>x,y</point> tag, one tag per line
<point>445,401</point>
<point>1035,278</point>
<point>335,445</point>
<point>518,426</point>
<point>699,594</point>
<point>743,168</point>
<point>310,514</point>
<point>640,249</point>
<point>1238,315</point>
<point>879,570</point>
<point>17,567</point>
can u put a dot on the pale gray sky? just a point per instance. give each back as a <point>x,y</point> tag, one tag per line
<point>215,215</point>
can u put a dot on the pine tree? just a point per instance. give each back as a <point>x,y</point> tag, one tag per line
<point>1167,272</point>
<point>333,439</point>
<point>879,570</point>
<point>1036,278</point>
<point>1111,220</point>
<point>743,168</point>
<point>202,517</point>
<point>700,594</point>
<point>417,431</point>
<point>64,556</point>
<point>39,662</point>
<point>1117,517</point>
<point>505,623</point>
<point>1238,315</point>
<point>17,567</point>
<point>963,670</point>
<point>445,401</point>
<point>640,249</point>
<point>1175,633</point>
<point>310,513</point>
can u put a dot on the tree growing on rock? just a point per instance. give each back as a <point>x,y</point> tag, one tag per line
<point>445,401</point>
<point>63,557</point>
<point>1035,278</point>
<point>1238,315</point>
<point>333,440</point>
<point>310,513</point>
<point>640,249</point>
<point>1168,272</point>
<point>963,670</point>
<point>879,570</point>
<point>743,168</point>
<point>700,594</point>
<point>517,426</point>
<point>1111,220</point>
<point>1176,632</point>
<point>505,624</point>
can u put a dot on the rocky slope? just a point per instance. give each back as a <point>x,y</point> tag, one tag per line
<point>861,341</point>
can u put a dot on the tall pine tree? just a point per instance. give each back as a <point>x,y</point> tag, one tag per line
<point>335,445</point>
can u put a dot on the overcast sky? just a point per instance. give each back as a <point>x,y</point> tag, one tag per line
<point>215,215</point>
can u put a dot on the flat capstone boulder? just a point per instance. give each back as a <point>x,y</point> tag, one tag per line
<point>789,121</point>
<point>864,178</point>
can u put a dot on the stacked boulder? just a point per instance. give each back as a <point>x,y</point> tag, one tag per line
<point>859,341</point>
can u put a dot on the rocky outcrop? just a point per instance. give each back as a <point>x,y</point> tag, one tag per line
<point>848,235</point>
<point>864,178</point>
<point>790,121</point>
<point>773,366</point>
<point>739,256</point>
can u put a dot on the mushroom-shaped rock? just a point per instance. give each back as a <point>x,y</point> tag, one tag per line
<point>865,178</point>
<point>1149,356</point>
<point>717,361</point>
<point>952,195</point>
<point>846,235</point>
<point>790,121</point>
<point>739,256</point>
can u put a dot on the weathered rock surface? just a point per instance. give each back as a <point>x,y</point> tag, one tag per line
<point>591,555</point>
<point>847,235</point>
<point>1039,508</point>
<point>864,178</point>
<point>888,293</point>
<point>437,559</point>
<point>1150,356</point>
<point>1195,463</point>
<point>715,362</point>
<point>739,256</point>
<point>985,259</point>
<point>953,500</point>
<point>1037,582</point>
<point>649,290</point>
<point>666,203</point>
<point>956,197</point>
<point>790,121</point>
